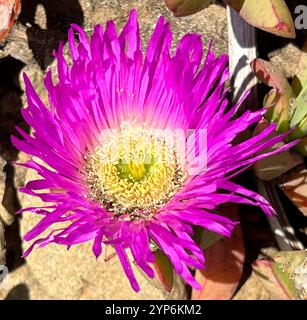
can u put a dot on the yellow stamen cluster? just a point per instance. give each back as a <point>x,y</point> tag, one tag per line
<point>133,171</point>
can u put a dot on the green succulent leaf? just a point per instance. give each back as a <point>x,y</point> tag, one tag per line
<point>163,270</point>
<point>291,269</point>
<point>300,110</point>
<point>278,100</point>
<point>282,275</point>
<point>300,80</point>
<point>268,15</point>
<point>164,276</point>
<point>301,147</point>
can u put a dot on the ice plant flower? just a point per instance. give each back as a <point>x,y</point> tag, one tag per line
<point>111,97</point>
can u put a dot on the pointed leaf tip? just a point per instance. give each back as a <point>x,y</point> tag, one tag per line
<point>183,8</point>
<point>269,15</point>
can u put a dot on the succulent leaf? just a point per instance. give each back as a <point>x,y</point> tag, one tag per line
<point>224,264</point>
<point>300,111</point>
<point>270,75</point>
<point>281,274</point>
<point>268,15</point>
<point>300,80</point>
<point>9,11</point>
<point>278,100</point>
<point>183,8</point>
<point>163,270</point>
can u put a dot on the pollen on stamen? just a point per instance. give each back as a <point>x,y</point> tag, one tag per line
<point>133,172</point>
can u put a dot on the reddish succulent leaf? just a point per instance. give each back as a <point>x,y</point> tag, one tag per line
<point>183,8</point>
<point>286,105</point>
<point>224,265</point>
<point>269,15</point>
<point>270,75</point>
<point>277,100</point>
<point>9,11</point>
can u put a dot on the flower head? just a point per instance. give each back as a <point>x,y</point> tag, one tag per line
<point>121,147</point>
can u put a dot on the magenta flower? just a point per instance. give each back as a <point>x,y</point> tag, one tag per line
<point>140,202</point>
